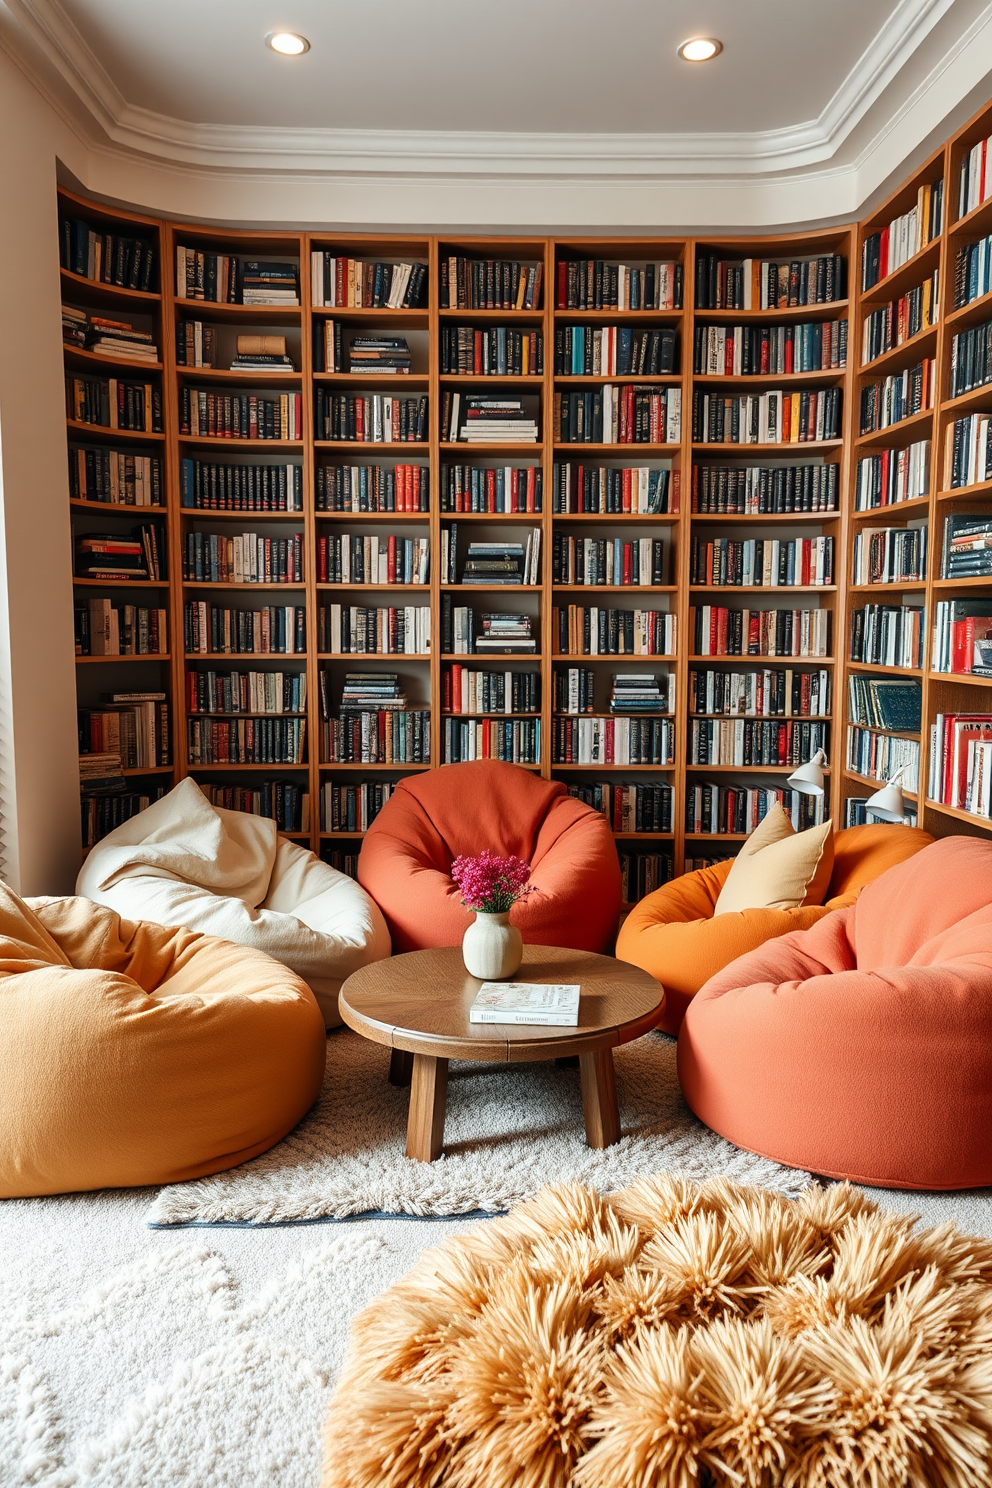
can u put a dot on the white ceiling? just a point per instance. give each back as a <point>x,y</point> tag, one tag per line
<point>598,66</point>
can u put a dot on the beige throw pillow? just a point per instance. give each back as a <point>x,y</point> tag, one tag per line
<point>779,868</point>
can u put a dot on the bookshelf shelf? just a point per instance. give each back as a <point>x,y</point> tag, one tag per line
<point>904,277</point>
<point>981,582</point>
<point>978,221</point>
<point>793,448</point>
<point>748,769</point>
<point>120,583</point>
<point>829,377</point>
<point>270,378</point>
<point>226,765</point>
<point>106,435</point>
<point>351,313</point>
<point>968,679</point>
<point>770,589</point>
<point>606,317</point>
<point>632,589</point>
<point>894,509</point>
<point>889,361</point>
<point>619,451</point>
<point>95,292</point>
<point>899,586</point>
<point>871,668</point>
<point>979,492</point>
<point>213,441</point>
<point>565,379</point>
<point>407,381</point>
<point>875,785</point>
<point>95,361</point>
<point>793,661</point>
<point>659,518</point>
<point>204,514</point>
<point>367,449</point>
<point>779,518</point>
<point>916,426</point>
<point>249,314</point>
<point>245,588</point>
<point>975,310</point>
<point>825,310</point>
<point>151,656</point>
<point>482,380</point>
<point>117,508</point>
<point>957,815</point>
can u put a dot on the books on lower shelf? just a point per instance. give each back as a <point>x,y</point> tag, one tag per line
<point>205,485</point>
<point>489,283</point>
<point>341,282</point>
<point>764,490</point>
<point>858,814</point>
<point>383,355</point>
<point>352,808</point>
<point>973,269</point>
<point>967,548</point>
<point>889,555</point>
<point>105,628</point>
<point>897,396</point>
<point>114,477</point>
<point>492,489</point>
<point>226,278</point>
<point>113,403</point>
<point>246,558</point>
<point>887,477</point>
<point>768,284</point>
<point>901,239</point>
<point>754,741</point>
<point>283,801</point>
<point>612,741</point>
<point>766,418</point>
<point>240,415</point>
<point>471,690</point>
<point>618,413</point>
<point>377,737</point>
<point>718,631</point>
<point>610,561</point>
<point>722,810</point>
<point>515,740</point>
<point>971,359</point>
<point>132,725</point>
<point>373,488</point>
<point>599,284</point>
<point>117,557</point>
<point>591,630</point>
<point>476,418</point>
<point>898,321</point>
<point>101,812</point>
<point>370,418</point>
<point>614,351</point>
<point>888,635</point>
<point>499,633</point>
<point>555,1004</point>
<point>214,630</point>
<point>641,873</point>
<point>246,692</point>
<point>962,637</point>
<point>358,558</point>
<point>884,703</point>
<point>968,451</point>
<point>767,692</point>
<point>120,339</point>
<point>489,564</point>
<point>961,762</point>
<point>614,490</point>
<point>768,563</point>
<point>127,261</point>
<point>393,630</point>
<point>878,756</point>
<point>246,741</point>
<point>630,808</point>
<point>770,350</point>
<point>491,351</point>
<point>633,692</point>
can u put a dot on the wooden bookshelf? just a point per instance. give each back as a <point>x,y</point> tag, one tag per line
<point>686,458</point>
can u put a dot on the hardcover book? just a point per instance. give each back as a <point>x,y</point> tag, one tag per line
<point>554,1003</point>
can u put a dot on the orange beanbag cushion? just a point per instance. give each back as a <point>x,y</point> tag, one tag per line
<point>673,934</point>
<point>431,819</point>
<point>133,1054</point>
<point>862,1048</point>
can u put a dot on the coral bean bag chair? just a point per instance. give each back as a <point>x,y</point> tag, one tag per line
<point>133,1054</point>
<point>185,862</point>
<point>433,818</point>
<point>862,1048</point>
<point>674,935</point>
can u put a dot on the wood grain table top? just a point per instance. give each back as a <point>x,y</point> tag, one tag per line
<point>420,1002</point>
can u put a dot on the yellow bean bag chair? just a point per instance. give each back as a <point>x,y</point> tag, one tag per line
<point>674,935</point>
<point>134,1054</point>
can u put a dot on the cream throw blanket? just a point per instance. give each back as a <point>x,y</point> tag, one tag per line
<point>185,862</point>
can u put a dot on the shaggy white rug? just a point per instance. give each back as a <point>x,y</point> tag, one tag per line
<point>510,1129</point>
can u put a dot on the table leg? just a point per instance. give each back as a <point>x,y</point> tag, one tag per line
<point>599,1098</point>
<point>400,1067</point>
<point>428,1095</point>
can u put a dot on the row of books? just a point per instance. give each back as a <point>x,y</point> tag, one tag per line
<point>618,414</point>
<point>115,477</point>
<point>363,630</point>
<point>613,741</point>
<point>878,756</point>
<point>608,560</point>
<point>969,451</point>
<point>766,692</point>
<point>353,808</point>
<point>967,548</point>
<point>858,814</point>
<point>631,692</point>
<point>717,631</point>
<point>746,742</point>
<point>196,346</point>
<point>897,396</point>
<point>889,555</point>
<point>101,812</point>
<point>960,772</point>
<point>768,563</point>
<point>496,632</point>
<point>597,284</point>
<point>498,489</point>
<point>718,810</point>
<point>118,339</point>
<point>283,801</point>
<point>246,692</point>
<point>586,630</point>
<point>385,356</point>
<point>106,628</point>
<point>490,283</point>
<point>246,741</point>
<point>641,873</point>
<point>614,351</point>
<point>357,558</point>
<point>385,737</point>
<point>629,808</point>
<point>100,772</point>
<point>972,272</point>
<point>491,351</point>
<point>114,403</point>
<point>612,490</point>
<point>962,637</point>
<point>769,350</point>
<point>905,236</point>
<point>491,563</point>
<point>487,419</point>
<point>975,177</point>
<point>971,359</point>
<point>108,258</point>
<point>196,343</point>
<point>364,692</point>
<point>344,283</point>
<point>131,725</point>
<point>245,558</point>
<point>884,703</point>
<point>372,488</point>
<point>767,284</point>
<point>515,740</point>
<point>224,278</point>
<point>887,477</point>
<point>773,417</point>
<point>471,690</point>
<point>370,418</point>
<point>887,635</point>
<point>892,324</point>
<point>216,630</point>
<point>240,415</point>
<point>764,490</point>
<point>206,485</point>
<point>113,556</point>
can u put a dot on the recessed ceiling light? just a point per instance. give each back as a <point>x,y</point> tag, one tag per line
<point>700,49</point>
<point>287,43</point>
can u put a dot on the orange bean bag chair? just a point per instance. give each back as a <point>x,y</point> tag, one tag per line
<point>433,818</point>
<point>133,1054</point>
<point>862,1048</point>
<point>674,935</point>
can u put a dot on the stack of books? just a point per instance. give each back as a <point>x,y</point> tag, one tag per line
<point>504,634</point>
<point>380,354</point>
<point>642,692</point>
<point>74,323</point>
<point>967,548</point>
<point>110,556</point>
<point>120,339</point>
<point>490,420</point>
<point>268,283</point>
<point>370,690</point>
<point>502,563</point>
<point>262,354</point>
<point>196,343</point>
<point>100,772</point>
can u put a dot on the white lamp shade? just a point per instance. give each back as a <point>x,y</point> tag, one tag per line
<point>887,804</point>
<point>808,779</point>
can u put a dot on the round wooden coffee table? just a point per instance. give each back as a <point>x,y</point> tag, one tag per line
<point>418,1004</point>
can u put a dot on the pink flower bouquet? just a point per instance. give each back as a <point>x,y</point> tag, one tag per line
<point>491,884</point>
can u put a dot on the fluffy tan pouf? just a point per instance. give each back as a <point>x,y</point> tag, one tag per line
<point>671,1336</point>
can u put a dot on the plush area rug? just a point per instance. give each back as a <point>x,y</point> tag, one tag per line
<point>510,1130</point>
<point>681,1335</point>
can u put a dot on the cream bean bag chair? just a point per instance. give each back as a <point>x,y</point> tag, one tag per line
<point>226,873</point>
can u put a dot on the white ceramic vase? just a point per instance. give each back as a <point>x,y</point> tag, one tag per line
<point>492,948</point>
